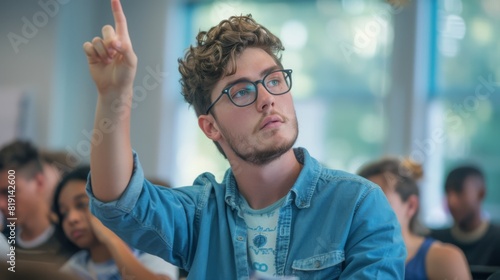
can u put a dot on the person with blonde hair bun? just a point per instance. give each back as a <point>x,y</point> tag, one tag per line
<point>427,258</point>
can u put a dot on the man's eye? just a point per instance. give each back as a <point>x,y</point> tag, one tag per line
<point>241,93</point>
<point>242,90</point>
<point>273,83</point>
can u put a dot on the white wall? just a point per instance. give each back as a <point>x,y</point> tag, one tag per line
<point>51,64</point>
<point>31,64</point>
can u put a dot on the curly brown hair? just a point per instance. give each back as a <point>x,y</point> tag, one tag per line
<point>214,56</point>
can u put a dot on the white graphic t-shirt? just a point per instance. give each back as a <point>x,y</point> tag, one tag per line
<point>262,227</point>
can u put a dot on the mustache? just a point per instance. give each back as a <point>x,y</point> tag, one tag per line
<point>261,119</point>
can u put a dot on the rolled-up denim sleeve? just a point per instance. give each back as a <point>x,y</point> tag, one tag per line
<point>126,202</point>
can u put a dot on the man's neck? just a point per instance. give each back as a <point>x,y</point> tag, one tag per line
<point>412,242</point>
<point>471,224</point>
<point>34,227</point>
<point>263,185</point>
<point>470,235</point>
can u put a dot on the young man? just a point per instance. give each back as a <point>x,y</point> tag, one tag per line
<point>34,235</point>
<point>55,166</point>
<point>477,237</point>
<point>278,212</point>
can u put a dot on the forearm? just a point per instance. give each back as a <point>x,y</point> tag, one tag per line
<point>127,263</point>
<point>111,152</point>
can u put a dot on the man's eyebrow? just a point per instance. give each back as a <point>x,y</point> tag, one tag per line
<point>269,70</point>
<point>245,79</point>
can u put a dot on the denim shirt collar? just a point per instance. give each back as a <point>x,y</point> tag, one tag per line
<point>302,190</point>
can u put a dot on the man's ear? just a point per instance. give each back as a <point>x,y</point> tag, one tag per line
<point>209,126</point>
<point>41,181</point>
<point>481,193</point>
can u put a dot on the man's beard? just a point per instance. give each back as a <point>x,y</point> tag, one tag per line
<point>250,152</point>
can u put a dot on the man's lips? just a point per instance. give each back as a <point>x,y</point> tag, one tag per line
<point>271,120</point>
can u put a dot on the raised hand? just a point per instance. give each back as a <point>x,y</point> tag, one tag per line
<point>112,64</point>
<point>112,61</point>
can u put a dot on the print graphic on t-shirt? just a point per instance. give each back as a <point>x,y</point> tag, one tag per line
<point>260,244</point>
<point>262,231</point>
<point>262,267</point>
<point>259,241</point>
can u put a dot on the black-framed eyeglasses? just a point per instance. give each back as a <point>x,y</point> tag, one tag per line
<point>244,93</point>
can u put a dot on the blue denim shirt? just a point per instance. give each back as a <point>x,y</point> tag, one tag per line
<point>332,225</point>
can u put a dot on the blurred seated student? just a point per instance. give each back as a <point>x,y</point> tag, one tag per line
<point>36,236</point>
<point>103,254</point>
<point>427,258</point>
<point>478,238</point>
<point>55,165</point>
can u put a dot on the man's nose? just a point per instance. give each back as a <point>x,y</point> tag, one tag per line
<point>265,98</point>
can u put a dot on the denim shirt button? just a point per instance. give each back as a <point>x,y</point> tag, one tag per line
<point>317,264</point>
<point>240,238</point>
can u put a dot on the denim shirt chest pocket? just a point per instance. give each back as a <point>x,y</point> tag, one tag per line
<point>323,266</point>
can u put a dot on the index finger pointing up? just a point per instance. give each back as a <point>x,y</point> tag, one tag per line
<point>120,20</point>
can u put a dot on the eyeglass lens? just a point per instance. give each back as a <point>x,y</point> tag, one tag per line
<point>243,93</point>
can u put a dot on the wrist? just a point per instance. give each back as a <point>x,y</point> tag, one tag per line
<point>115,244</point>
<point>112,105</point>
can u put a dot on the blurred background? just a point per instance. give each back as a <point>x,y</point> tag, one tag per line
<point>419,79</point>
